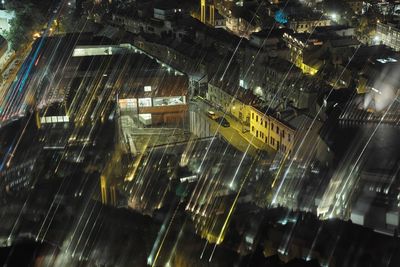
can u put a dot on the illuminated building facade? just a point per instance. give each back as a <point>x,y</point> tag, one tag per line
<point>277,134</point>
<point>158,100</point>
<point>270,130</point>
<point>308,25</point>
<point>298,45</point>
<point>388,34</point>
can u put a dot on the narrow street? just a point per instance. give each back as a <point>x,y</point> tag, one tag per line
<point>234,134</point>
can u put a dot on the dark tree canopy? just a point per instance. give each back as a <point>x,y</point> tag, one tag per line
<point>30,16</point>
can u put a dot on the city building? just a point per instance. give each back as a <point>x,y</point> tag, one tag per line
<point>277,134</point>
<point>388,34</point>
<point>241,22</point>
<point>157,100</point>
<point>166,11</point>
<point>299,44</point>
<point>301,25</point>
<point>263,123</point>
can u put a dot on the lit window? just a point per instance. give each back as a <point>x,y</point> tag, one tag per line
<point>147,88</point>
<point>169,101</point>
<point>145,102</point>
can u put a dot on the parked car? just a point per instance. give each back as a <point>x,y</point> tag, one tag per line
<point>223,122</point>
<point>212,115</point>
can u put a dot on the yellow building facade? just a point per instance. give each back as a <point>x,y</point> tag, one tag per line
<point>268,129</point>
<point>276,134</point>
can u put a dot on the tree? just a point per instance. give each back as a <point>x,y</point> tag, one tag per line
<point>30,17</point>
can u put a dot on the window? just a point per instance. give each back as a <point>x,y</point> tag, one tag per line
<point>127,103</point>
<point>252,116</point>
<point>168,101</point>
<point>256,118</point>
<point>283,133</point>
<point>265,124</point>
<point>277,129</point>
<point>147,88</point>
<point>272,141</point>
<point>252,128</point>
<point>262,135</point>
<point>145,102</point>
<point>289,137</point>
<point>272,126</point>
<point>257,133</point>
<point>261,121</point>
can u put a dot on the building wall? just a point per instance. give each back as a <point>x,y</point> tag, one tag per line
<point>229,104</point>
<point>166,114</point>
<point>389,35</point>
<point>199,125</point>
<point>266,128</point>
<point>297,49</point>
<point>271,131</point>
<point>259,126</point>
<point>127,23</point>
<point>308,25</point>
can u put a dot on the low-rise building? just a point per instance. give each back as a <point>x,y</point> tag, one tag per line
<point>244,106</point>
<point>388,34</point>
<point>157,100</point>
<point>299,45</point>
<point>165,11</point>
<point>269,129</point>
<point>302,25</point>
